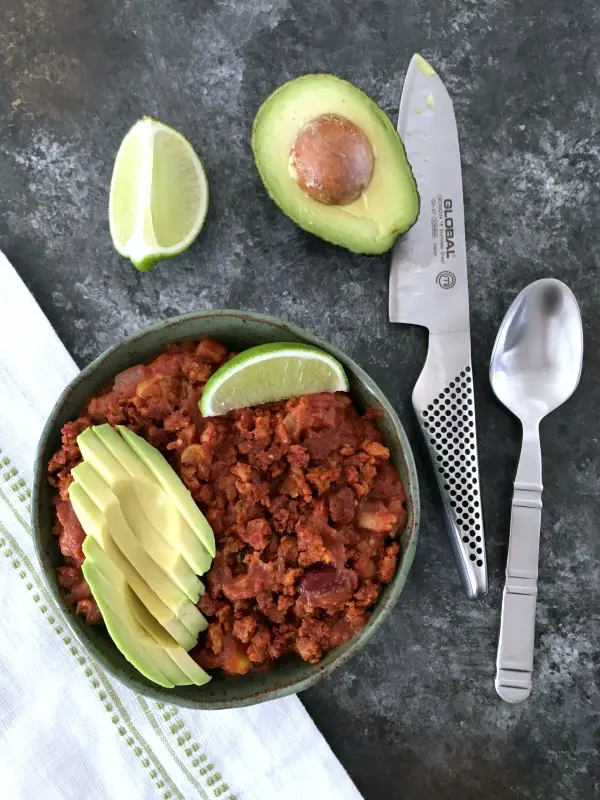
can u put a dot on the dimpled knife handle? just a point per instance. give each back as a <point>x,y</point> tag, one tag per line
<point>444,402</point>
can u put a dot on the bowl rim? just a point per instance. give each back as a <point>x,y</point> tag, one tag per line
<point>359,639</point>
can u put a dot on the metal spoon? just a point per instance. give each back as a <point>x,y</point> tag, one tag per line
<point>535,367</point>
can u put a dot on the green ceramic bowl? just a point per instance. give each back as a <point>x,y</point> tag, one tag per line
<point>239,331</point>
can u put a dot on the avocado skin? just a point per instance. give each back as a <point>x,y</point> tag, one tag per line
<point>374,247</point>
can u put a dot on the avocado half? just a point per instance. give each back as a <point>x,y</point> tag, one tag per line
<point>387,207</point>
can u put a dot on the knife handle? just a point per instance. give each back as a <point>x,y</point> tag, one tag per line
<point>514,663</point>
<point>444,402</point>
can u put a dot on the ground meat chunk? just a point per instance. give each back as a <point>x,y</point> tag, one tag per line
<point>195,371</point>
<point>208,605</point>
<point>288,548</point>
<point>71,535</point>
<point>298,456</point>
<point>214,637</point>
<point>257,534</point>
<point>211,351</point>
<point>258,649</point>
<point>388,563</point>
<point>301,495</point>
<point>317,629</point>
<point>245,628</point>
<point>176,421</point>
<point>376,449</point>
<point>342,506</point>
<point>308,649</point>
<point>367,594</point>
<point>285,513</point>
<point>89,609</point>
<point>322,477</point>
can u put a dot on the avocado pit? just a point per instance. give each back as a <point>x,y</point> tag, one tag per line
<point>333,160</point>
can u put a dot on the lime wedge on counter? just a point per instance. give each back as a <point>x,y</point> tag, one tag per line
<point>268,373</point>
<point>158,194</point>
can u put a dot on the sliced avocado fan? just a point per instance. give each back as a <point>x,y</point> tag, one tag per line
<point>135,632</point>
<point>96,526</point>
<point>124,538</point>
<point>146,542</point>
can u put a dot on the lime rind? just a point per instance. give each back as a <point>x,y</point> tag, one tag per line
<point>131,194</point>
<point>269,373</point>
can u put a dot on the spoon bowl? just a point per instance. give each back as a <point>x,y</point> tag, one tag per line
<point>536,361</point>
<point>535,366</point>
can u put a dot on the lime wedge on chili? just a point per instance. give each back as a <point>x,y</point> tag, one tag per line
<point>158,194</point>
<point>271,372</point>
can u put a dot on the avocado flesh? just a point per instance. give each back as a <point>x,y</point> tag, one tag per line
<point>125,540</point>
<point>98,537</point>
<point>172,485</point>
<point>192,671</point>
<point>389,205</point>
<point>156,660</point>
<point>145,655</point>
<point>150,513</point>
<point>168,656</point>
<point>178,532</point>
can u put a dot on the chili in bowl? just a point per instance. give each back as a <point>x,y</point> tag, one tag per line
<point>313,502</point>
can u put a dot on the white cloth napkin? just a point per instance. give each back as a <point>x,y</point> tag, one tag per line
<point>69,730</point>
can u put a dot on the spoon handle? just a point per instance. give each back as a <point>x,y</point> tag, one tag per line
<point>514,664</point>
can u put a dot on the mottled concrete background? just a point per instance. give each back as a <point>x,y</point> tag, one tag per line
<point>415,715</point>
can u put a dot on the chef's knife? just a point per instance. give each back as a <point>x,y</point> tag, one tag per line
<point>428,287</point>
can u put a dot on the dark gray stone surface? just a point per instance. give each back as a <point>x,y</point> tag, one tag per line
<point>415,715</point>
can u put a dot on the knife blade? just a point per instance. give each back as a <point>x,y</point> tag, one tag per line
<point>429,287</point>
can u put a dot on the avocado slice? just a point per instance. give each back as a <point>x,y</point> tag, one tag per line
<point>193,671</point>
<point>162,650</point>
<point>389,204</point>
<point>175,529</point>
<point>146,655</point>
<point>122,628</point>
<point>150,513</point>
<point>98,537</point>
<point>157,580</point>
<point>173,486</point>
